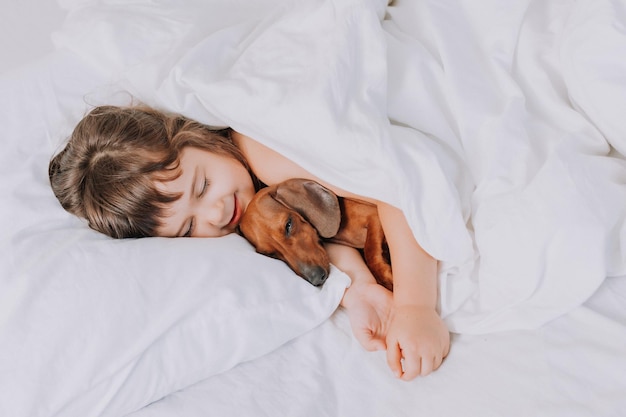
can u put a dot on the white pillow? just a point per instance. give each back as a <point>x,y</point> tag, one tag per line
<point>103,327</point>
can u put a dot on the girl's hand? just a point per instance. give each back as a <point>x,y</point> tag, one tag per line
<point>368,306</point>
<point>417,341</point>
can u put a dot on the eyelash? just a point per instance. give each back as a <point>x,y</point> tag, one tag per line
<point>205,185</point>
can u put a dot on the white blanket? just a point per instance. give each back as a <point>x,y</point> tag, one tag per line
<point>487,126</point>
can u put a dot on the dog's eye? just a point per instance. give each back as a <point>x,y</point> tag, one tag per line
<point>288,227</point>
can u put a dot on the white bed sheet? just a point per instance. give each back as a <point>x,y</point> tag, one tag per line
<point>573,365</point>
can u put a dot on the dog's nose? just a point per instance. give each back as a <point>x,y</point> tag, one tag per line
<point>315,274</point>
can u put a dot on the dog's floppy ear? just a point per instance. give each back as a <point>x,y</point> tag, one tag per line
<point>318,205</point>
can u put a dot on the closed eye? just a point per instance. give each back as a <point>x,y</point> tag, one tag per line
<point>205,185</point>
<point>190,228</point>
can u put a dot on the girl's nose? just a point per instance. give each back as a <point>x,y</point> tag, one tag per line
<point>211,213</point>
<point>210,217</point>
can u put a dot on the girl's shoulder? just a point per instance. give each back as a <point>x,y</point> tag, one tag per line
<point>272,167</point>
<point>269,166</point>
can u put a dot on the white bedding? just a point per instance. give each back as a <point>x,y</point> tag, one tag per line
<point>497,129</point>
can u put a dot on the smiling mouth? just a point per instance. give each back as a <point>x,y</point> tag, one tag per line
<point>236,214</point>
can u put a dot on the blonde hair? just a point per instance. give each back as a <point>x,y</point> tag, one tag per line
<point>107,170</point>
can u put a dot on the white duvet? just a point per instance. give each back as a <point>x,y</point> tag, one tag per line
<point>490,127</point>
<point>498,130</point>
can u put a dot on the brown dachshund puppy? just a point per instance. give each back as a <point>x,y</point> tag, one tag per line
<point>291,220</point>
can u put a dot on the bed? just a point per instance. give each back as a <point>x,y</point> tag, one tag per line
<point>498,127</point>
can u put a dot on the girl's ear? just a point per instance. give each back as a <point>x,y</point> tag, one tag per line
<point>318,205</point>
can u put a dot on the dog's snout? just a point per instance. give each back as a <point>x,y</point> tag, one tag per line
<point>315,274</point>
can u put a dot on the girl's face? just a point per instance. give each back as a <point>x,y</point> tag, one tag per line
<point>215,191</point>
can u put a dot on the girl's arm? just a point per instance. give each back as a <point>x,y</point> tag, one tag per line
<point>417,339</point>
<point>368,304</point>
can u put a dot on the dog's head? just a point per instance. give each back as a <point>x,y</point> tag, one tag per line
<point>287,221</point>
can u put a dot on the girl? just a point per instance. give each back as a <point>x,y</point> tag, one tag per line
<point>137,172</point>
